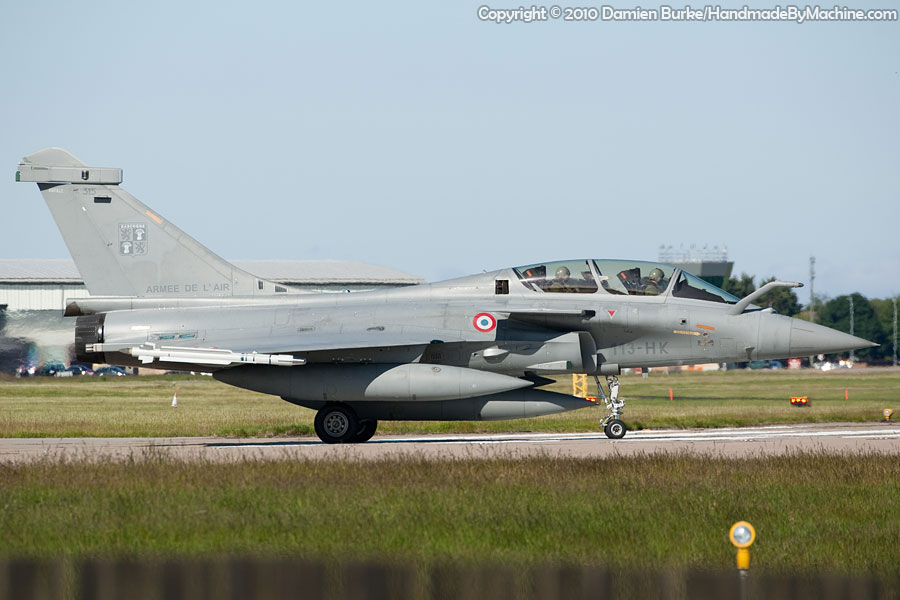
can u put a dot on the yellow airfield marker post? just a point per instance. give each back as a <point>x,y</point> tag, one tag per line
<point>742,536</point>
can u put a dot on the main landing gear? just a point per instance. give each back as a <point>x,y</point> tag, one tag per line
<point>612,425</point>
<point>338,424</point>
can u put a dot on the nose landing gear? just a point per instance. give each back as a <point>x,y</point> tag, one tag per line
<point>613,426</point>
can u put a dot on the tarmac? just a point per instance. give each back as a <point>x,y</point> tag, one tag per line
<point>738,442</point>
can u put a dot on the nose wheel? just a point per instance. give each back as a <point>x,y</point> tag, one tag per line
<point>615,429</point>
<point>613,426</point>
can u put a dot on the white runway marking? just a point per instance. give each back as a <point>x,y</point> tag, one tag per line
<point>724,434</point>
<point>736,442</point>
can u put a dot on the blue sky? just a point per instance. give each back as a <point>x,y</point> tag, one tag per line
<point>415,136</point>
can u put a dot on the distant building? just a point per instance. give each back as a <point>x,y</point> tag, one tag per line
<point>33,293</point>
<point>709,264</point>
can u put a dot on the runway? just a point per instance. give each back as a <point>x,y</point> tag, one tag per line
<point>725,442</point>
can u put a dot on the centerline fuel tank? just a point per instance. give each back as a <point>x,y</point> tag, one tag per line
<point>344,383</point>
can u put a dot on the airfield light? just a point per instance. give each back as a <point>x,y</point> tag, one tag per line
<point>887,414</point>
<point>800,401</point>
<point>742,535</point>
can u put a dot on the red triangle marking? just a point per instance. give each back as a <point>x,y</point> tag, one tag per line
<point>611,313</point>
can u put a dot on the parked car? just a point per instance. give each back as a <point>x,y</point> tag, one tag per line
<point>830,366</point>
<point>78,370</point>
<point>26,370</point>
<point>764,364</point>
<point>111,371</point>
<point>51,368</point>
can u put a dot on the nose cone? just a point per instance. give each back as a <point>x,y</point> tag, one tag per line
<point>809,338</point>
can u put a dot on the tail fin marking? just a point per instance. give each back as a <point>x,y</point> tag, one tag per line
<point>120,245</point>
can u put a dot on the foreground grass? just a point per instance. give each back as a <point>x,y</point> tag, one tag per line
<point>140,406</point>
<point>812,512</point>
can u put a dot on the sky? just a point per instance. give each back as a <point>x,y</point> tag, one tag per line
<point>416,136</point>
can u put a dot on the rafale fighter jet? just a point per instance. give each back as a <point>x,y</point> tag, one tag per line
<point>474,348</point>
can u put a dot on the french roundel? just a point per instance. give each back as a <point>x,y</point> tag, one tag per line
<point>484,322</point>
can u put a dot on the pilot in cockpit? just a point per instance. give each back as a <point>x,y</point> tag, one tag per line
<point>561,283</point>
<point>656,282</point>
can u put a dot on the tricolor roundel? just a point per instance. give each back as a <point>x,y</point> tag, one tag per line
<point>484,322</point>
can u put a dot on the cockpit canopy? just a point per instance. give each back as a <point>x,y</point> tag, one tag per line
<point>634,278</point>
<point>618,277</point>
<point>572,276</point>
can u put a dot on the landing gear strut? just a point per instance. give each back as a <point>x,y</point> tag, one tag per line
<point>612,425</point>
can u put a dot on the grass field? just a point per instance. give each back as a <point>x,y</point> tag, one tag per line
<point>140,406</point>
<point>812,512</point>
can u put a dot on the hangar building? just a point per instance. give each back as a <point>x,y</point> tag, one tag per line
<point>33,294</point>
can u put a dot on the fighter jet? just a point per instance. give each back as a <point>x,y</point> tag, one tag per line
<point>473,348</point>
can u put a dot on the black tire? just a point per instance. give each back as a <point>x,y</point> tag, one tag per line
<point>615,429</point>
<point>366,431</point>
<point>336,424</point>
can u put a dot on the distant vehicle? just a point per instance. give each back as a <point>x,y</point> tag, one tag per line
<point>764,364</point>
<point>78,370</point>
<point>26,370</point>
<point>51,368</point>
<point>830,366</point>
<point>111,372</point>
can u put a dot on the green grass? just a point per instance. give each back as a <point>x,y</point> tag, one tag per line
<point>140,406</point>
<point>812,512</point>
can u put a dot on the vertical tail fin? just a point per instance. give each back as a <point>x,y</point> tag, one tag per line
<point>120,246</point>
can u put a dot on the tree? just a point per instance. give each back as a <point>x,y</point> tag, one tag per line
<point>740,287</point>
<point>884,309</point>
<point>782,299</point>
<point>836,314</point>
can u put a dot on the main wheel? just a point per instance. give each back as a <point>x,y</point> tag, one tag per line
<point>366,431</point>
<point>337,424</point>
<point>615,429</point>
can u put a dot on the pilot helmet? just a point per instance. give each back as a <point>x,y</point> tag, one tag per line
<point>656,274</point>
<point>562,272</point>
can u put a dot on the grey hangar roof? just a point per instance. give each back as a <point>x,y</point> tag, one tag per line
<point>296,272</point>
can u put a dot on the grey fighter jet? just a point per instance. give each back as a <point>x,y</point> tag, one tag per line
<point>474,348</point>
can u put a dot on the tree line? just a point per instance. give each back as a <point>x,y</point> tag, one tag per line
<point>873,319</point>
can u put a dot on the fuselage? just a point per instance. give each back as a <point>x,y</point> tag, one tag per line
<point>532,331</point>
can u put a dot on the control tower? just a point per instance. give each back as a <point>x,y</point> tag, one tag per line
<point>708,263</point>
